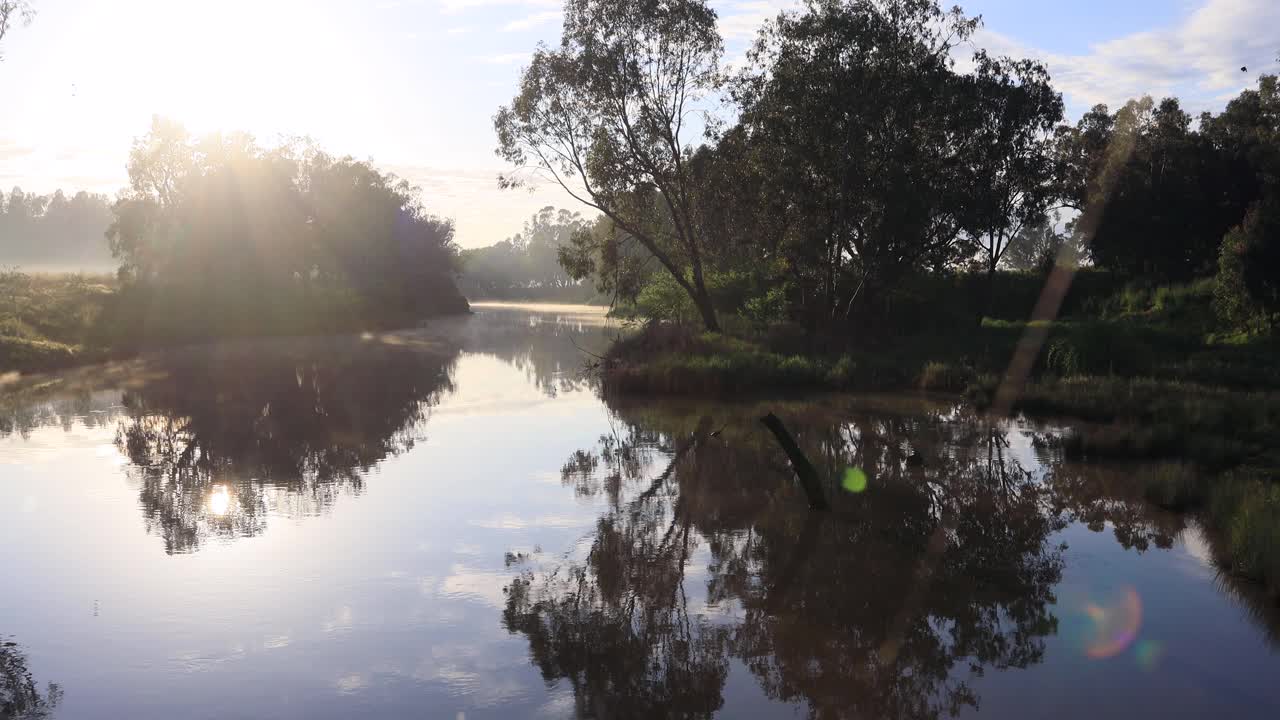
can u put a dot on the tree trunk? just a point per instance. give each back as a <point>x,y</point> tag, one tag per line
<point>708,312</point>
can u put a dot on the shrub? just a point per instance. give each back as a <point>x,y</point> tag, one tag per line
<point>1248,281</point>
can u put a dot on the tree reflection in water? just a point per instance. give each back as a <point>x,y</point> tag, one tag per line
<point>942,566</point>
<point>20,697</point>
<point>226,437</point>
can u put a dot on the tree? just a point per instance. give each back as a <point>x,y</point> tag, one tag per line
<point>606,116</point>
<point>857,105</point>
<point>14,12</point>
<point>55,230</point>
<point>219,235</point>
<point>1038,245</point>
<point>1009,169</point>
<point>1155,193</point>
<point>1248,283</point>
<point>528,263</point>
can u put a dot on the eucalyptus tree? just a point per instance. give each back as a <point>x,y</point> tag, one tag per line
<point>859,99</point>
<point>608,116</point>
<point>1009,166</point>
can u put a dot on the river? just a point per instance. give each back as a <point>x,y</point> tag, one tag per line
<point>451,522</point>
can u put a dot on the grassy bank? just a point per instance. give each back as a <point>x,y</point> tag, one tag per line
<point>49,322</point>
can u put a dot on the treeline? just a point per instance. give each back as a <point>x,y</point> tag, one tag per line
<point>526,266</point>
<point>220,236</point>
<point>865,149</point>
<point>54,231</point>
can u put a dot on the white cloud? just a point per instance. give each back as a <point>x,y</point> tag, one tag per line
<point>505,58</point>
<point>1197,59</point>
<point>742,20</point>
<point>453,6</point>
<point>532,21</point>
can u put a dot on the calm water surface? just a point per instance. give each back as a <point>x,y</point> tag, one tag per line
<point>451,522</point>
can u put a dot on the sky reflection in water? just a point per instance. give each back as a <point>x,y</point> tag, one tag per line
<point>452,521</point>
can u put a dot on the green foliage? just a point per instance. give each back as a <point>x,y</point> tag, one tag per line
<point>946,377</point>
<point>219,237</point>
<point>663,299</point>
<point>1246,505</point>
<point>603,115</point>
<point>1248,284</point>
<point>51,321</point>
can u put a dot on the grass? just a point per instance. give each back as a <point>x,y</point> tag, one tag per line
<point>51,321</point>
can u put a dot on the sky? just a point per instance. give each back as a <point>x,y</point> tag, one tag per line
<point>413,84</point>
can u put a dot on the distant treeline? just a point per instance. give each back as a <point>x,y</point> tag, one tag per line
<point>54,231</point>
<point>527,265</point>
<point>857,153</point>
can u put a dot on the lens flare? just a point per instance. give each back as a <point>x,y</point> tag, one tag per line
<point>1148,653</point>
<point>1114,625</point>
<point>855,480</point>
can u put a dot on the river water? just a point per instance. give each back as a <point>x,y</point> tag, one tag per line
<point>453,523</point>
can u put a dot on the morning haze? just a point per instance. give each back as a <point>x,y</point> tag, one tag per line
<point>639,358</point>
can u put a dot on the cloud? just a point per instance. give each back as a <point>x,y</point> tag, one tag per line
<point>454,6</point>
<point>742,20</point>
<point>532,21</point>
<point>505,58</point>
<point>1198,59</point>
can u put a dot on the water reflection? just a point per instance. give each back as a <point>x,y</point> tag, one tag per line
<point>21,698</point>
<point>225,438</point>
<point>551,347</point>
<point>942,569</point>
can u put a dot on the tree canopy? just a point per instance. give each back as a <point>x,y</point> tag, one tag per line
<point>229,237</point>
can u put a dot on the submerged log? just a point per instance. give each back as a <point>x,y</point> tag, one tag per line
<point>805,472</point>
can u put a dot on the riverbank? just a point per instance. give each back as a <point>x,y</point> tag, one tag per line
<point>1139,390</point>
<point>53,322</point>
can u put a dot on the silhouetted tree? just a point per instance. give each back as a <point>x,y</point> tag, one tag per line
<point>219,236</point>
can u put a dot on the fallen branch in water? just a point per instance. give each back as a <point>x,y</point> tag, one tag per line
<point>804,470</point>
<point>601,358</point>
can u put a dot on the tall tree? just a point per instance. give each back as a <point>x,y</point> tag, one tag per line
<point>858,100</point>
<point>606,116</point>
<point>1009,167</point>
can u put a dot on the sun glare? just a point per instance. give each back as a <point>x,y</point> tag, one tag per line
<point>219,501</point>
<point>236,65</point>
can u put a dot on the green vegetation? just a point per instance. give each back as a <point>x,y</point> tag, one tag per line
<point>874,215</point>
<point>51,321</point>
<point>219,237</point>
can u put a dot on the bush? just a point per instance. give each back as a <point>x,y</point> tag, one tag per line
<point>1248,283</point>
